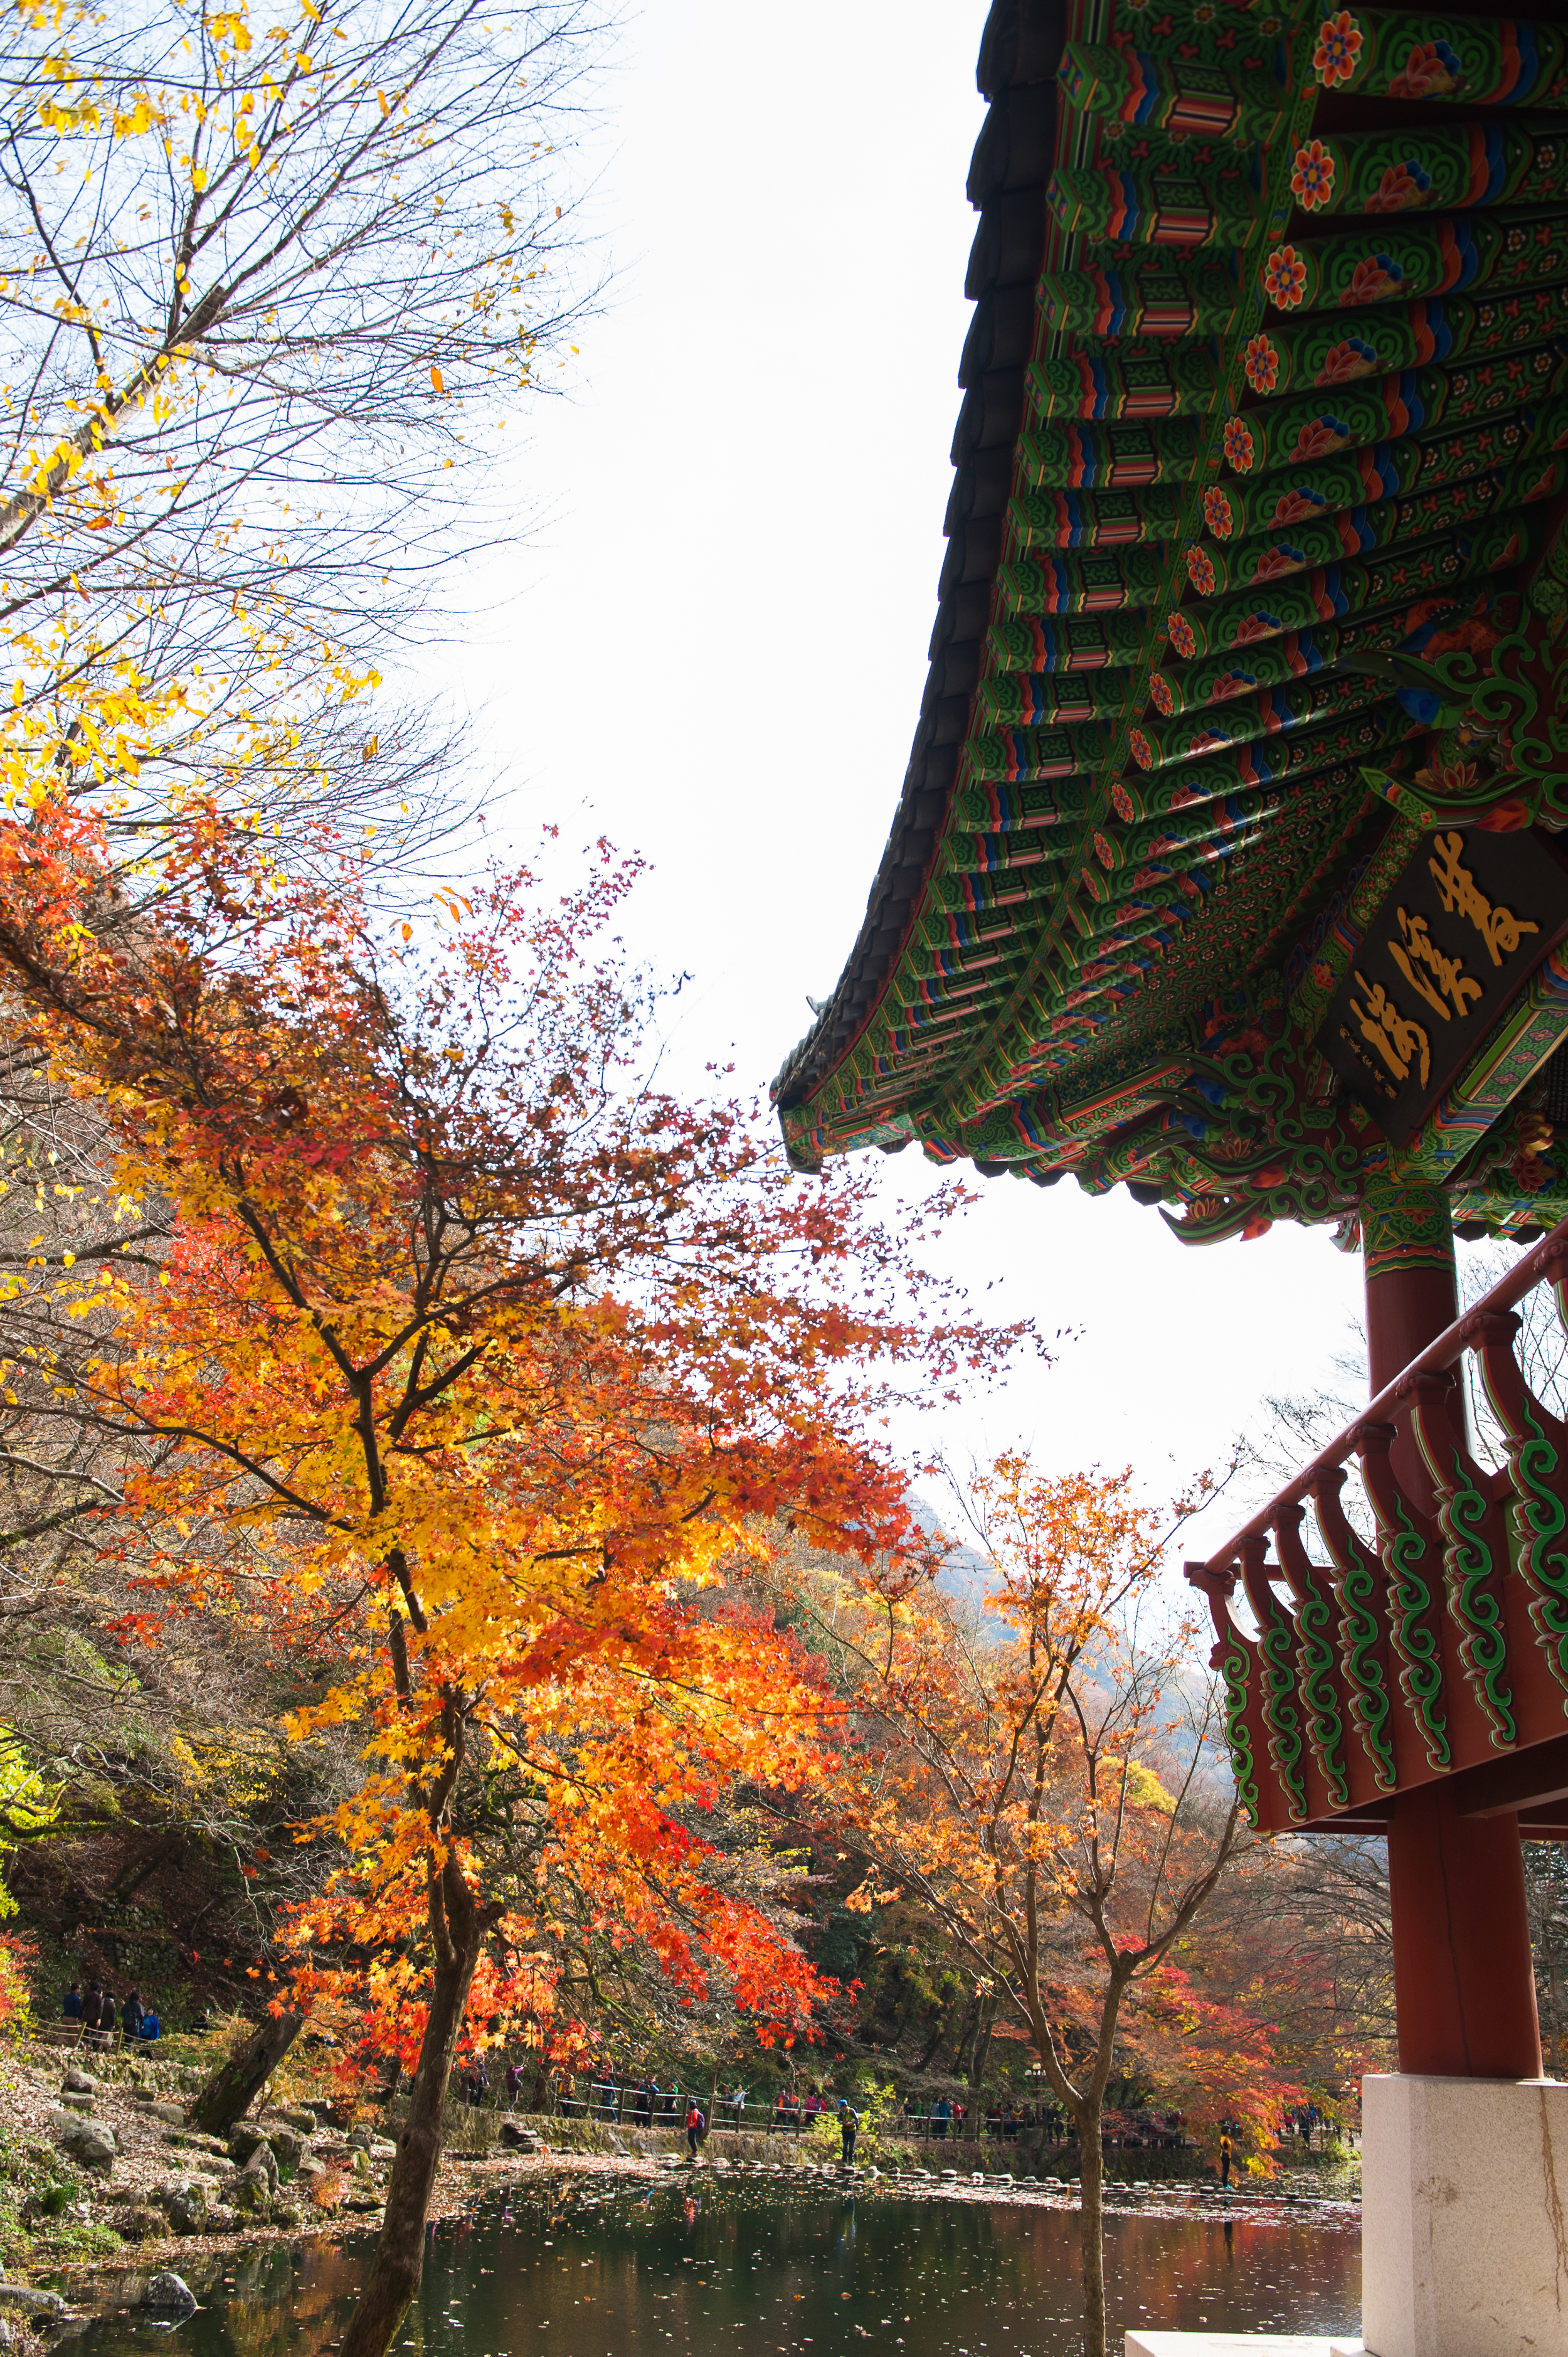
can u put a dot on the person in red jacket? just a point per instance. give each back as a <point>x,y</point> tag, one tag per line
<point>696,2128</point>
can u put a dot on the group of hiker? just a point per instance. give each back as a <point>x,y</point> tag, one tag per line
<point>848,2120</point>
<point>648,2104</point>
<point>97,2011</point>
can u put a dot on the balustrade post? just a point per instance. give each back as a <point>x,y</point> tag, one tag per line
<point>1464,1980</point>
<point>1413,1296</point>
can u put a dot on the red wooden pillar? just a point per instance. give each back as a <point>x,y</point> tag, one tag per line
<point>1463,1979</point>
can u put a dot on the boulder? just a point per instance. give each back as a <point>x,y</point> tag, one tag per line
<point>297,2115</point>
<point>35,2303</point>
<point>90,2142</point>
<point>287,2144</point>
<point>221,2220</point>
<point>252,2194</point>
<point>75,2102</point>
<point>171,2115</point>
<point>185,2207</point>
<point>139,2222</point>
<point>78,2082</point>
<point>518,2139</point>
<point>246,2141</point>
<point>198,2140</point>
<point>169,2294</point>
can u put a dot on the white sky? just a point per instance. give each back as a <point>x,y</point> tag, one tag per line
<point>713,649</point>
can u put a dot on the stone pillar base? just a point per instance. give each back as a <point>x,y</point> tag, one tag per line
<point>1464,2217</point>
<point>1236,2344</point>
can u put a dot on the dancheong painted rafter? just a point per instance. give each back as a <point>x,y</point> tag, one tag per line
<point>1225,865</point>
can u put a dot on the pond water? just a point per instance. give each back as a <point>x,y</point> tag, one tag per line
<point>703,2270</point>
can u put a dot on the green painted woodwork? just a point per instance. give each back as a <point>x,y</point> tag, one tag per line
<point>1539,1519</point>
<point>1356,416</point>
<point>1407,54</point>
<point>1235,1668</point>
<point>1281,1716</point>
<point>1376,264</point>
<point>1282,583</point>
<point>1231,627</point>
<point>1358,1653</point>
<point>1405,1226</point>
<point>1190,101</point>
<point>1470,1574</point>
<point>1324,1725</point>
<point>1414,1638</point>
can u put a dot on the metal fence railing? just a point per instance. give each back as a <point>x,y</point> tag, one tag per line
<point>611,2104</point>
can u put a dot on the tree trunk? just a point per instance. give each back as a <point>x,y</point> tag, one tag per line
<point>955,2068</point>
<point>399,2263</point>
<point>1092,2227</point>
<point>228,2094</point>
<point>938,2034</point>
<point>139,1870</point>
<point>982,2045</point>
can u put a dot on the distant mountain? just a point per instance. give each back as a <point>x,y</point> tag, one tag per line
<point>967,1572</point>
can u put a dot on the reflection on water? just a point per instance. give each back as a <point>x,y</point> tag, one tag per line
<point>673,2271</point>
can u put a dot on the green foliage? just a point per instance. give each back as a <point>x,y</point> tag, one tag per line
<point>28,1807</point>
<point>38,2196</point>
<point>877,2103</point>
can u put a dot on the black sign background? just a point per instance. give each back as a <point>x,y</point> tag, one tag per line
<point>1420,956</point>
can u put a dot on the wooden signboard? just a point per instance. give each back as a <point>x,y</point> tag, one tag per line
<point>1467,922</point>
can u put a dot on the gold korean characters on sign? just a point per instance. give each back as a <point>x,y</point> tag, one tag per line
<point>1446,955</point>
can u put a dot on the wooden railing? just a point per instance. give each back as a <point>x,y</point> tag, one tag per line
<point>1432,1641</point>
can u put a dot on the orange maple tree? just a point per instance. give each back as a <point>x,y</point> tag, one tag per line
<point>476,1362</point>
<point>1039,1781</point>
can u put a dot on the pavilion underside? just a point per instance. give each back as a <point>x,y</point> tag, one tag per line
<point>1225,866</point>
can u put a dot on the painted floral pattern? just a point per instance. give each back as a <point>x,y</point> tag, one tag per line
<point>1276,561</point>
<point>1258,625</point>
<point>1285,278</point>
<point>1217,512</point>
<point>1201,571</point>
<point>1236,442</point>
<point>1402,187</point>
<point>1261,363</point>
<point>1351,359</point>
<point>1160,695</point>
<point>1373,278</point>
<point>1141,751</point>
<point>1339,52</point>
<point>1312,176</point>
<point>1431,70</point>
<point>1292,505</point>
<point>1452,779</point>
<point>1229,684</point>
<point>1179,632</point>
<point>1318,437</point>
<point>1475,636</point>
